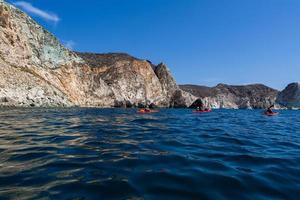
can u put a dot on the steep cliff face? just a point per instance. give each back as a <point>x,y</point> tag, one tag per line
<point>28,50</point>
<point>290,96</point>
<point>132,80</point>
<point>36,70</point>
<point>135,82</point>
<point>176,97</point>
<point>227,96</point>
<point>168,83</point>
<point>26,62</point>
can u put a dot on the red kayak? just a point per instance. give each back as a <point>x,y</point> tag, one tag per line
<point>271,114</point>
<point>202,111</point>
<point>146,111</point>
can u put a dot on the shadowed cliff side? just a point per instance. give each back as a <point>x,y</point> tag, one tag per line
<point>290,96</point>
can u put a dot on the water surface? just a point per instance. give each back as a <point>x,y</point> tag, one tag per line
<point>173,154</point>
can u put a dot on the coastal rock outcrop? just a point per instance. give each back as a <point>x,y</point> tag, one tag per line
<point>29,56</point>
<point>136,82</point>
<point>236,97</point>
<point>37,70</point>
<point>177,98</point>
<point>131,79</point>
<point>290,96</point>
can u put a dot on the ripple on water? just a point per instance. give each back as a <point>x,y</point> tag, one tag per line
<point>174,154</point>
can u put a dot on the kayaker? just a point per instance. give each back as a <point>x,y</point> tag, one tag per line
<point>269,110</point>
<point>144,110</point>
<point>200,109</point>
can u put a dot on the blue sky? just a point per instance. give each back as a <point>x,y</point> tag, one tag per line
<point>202,41</point>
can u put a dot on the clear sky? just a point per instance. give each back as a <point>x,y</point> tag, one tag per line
<point>202,41</point>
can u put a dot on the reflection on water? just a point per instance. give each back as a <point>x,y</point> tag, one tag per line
<point>174,154</point>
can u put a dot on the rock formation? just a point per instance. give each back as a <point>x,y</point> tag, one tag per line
<point>136,82</point>
<point>29,56</point>
<point>36,70</point>
<point>290,96</point>
<point>227,96</point>
<point>177,98</point>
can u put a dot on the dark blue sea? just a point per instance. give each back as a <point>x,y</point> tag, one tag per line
<point>173,154</point>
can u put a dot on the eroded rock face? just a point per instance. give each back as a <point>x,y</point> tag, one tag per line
<point>175,96</point>
<point>236,97</point>
<point>167,81</point>
<point>36,70</point>
<point>137,81</point>
<point>131,80</point>
<point>19,88</point>
<point>181,99</point>
<point>290,96</point>
<point>36,60</point>
<point>24,43</point>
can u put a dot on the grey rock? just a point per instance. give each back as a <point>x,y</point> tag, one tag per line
<point>236,97</point>
<point>175,96</point>
<point>166,80</point>
<point>181,99</point>
<point>290,96</point>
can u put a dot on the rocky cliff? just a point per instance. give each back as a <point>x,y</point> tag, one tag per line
<point>29,58</point>
<point>176,97</point>
<point>290,96</point>
<point>36,70</point>
<point>228,96</point>
<point>136,82</point>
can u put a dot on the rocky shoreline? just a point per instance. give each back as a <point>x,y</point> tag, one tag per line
<point>36,70</point>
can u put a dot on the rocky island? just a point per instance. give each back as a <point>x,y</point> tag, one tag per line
<point>36,70</point>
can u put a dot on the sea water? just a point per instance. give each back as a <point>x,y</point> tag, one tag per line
<point>174,154</point>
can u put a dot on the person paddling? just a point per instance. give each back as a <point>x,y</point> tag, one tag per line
<point>147,110</point>
<point>144,110</point>
<point>269,110</point>
<point>200,108</point>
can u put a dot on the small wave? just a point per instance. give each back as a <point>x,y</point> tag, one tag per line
<point>174,154</point>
